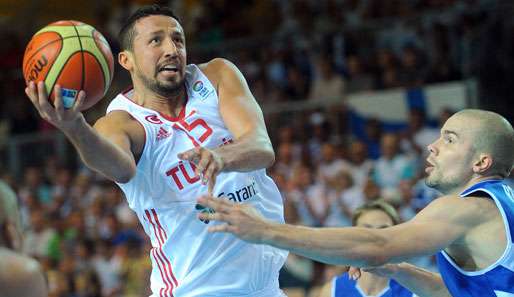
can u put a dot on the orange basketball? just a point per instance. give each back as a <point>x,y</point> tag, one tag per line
<point>73,55</point>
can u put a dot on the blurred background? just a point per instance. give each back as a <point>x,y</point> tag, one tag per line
<point>352,91</point>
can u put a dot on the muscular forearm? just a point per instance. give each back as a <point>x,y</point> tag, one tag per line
<point>100,154</point>
<point>247,153</point>
<point>419,281</point>
<point>359,247</point>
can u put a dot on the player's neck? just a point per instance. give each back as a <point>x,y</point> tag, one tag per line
<point>474,180</point>
<point>371,284</point>
<point>168,105</point>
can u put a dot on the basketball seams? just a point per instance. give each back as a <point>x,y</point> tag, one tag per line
<point>104,64</point>
<point>90,54</point>
<point>105,68</point>
<point>42,47</point>
<point>103,72</point>
<point>61,69</point>
<point>82,58</point>
<point>68,50</point>
<point>60,39</point>
<point>102,59</point>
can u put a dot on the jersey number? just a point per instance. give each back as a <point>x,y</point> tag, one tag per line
<point>198,122</point>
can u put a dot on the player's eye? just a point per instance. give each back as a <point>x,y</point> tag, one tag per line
<point>155,40</point>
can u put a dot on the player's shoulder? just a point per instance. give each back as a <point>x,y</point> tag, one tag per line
<point>217,68</point>
<point>216,64</point>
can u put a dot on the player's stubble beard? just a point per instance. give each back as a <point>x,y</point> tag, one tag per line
<point>168,90</point>
<point>444,184</point>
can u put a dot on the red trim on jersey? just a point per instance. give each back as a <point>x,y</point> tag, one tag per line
<point>160,255</point>
<point>152,251</point>
<point>181,114</point>
<point>196,144</point>
<point>165,277</point>
<point>159,227</point>
<point>166,237</point>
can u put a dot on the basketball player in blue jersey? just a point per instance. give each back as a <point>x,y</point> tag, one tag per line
<point>180,131</point>
<point>378,215</point>
<point>471,227</point>
<point>19,274</point>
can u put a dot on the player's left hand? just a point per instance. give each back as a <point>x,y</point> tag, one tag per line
<point>208,164</point>
<point>242,220</point>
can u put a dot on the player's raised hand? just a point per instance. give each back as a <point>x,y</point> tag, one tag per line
<point>208,164</point>
<point>242,220</point>
<point>57,115</point>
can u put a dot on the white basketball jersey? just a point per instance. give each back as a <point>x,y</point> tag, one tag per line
<point>188,261</point>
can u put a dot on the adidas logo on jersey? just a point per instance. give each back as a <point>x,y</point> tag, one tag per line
<point>162,133</point>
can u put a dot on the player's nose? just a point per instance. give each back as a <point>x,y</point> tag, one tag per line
<point>432,148</point>
<point>170,48</point>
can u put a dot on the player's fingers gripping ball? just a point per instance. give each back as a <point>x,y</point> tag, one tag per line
<point>75,56</point>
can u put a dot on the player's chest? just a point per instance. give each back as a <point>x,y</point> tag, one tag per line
<point>170,139</point>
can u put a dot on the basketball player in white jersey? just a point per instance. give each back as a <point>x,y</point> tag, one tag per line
<point>19,274</point>
<point>182,131</point>
<point>471,227</point>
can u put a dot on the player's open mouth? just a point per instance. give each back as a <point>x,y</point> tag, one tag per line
<point>169,69</point>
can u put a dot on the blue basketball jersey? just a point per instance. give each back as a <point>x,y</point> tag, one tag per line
<point>343,286</point>
<point>496,280</point>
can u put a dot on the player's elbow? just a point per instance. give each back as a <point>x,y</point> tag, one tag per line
<point>125,177</point>
<point>269,157</point>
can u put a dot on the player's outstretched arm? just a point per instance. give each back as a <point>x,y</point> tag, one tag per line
<point>442,222</point>
<point>419,281</point>
<point>106,149</point>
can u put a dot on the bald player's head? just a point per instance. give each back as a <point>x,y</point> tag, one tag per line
<point>19,275</point>
<point>10,223</point>
<point>493,136</point>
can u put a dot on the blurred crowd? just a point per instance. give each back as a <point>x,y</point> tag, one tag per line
<point>79,225</point>
<point>314,50</point>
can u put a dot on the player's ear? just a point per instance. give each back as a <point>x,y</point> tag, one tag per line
<point>483,163</point>
<point>125,59</point>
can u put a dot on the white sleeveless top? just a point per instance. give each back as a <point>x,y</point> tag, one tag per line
<point>186,259</point>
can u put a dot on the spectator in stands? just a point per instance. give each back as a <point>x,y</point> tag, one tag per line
<point>392,167</point>
<point>344,197</point>
<point>358,78</point>
<point>330,164</point>
<point>38,235</point>
<point>418,135</point>
<point>360,165</point>
<point>310,198</point>
<point>327,84</point>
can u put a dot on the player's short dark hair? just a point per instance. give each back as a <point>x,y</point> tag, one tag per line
<point>127,32</point>
<point>376,205</point>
